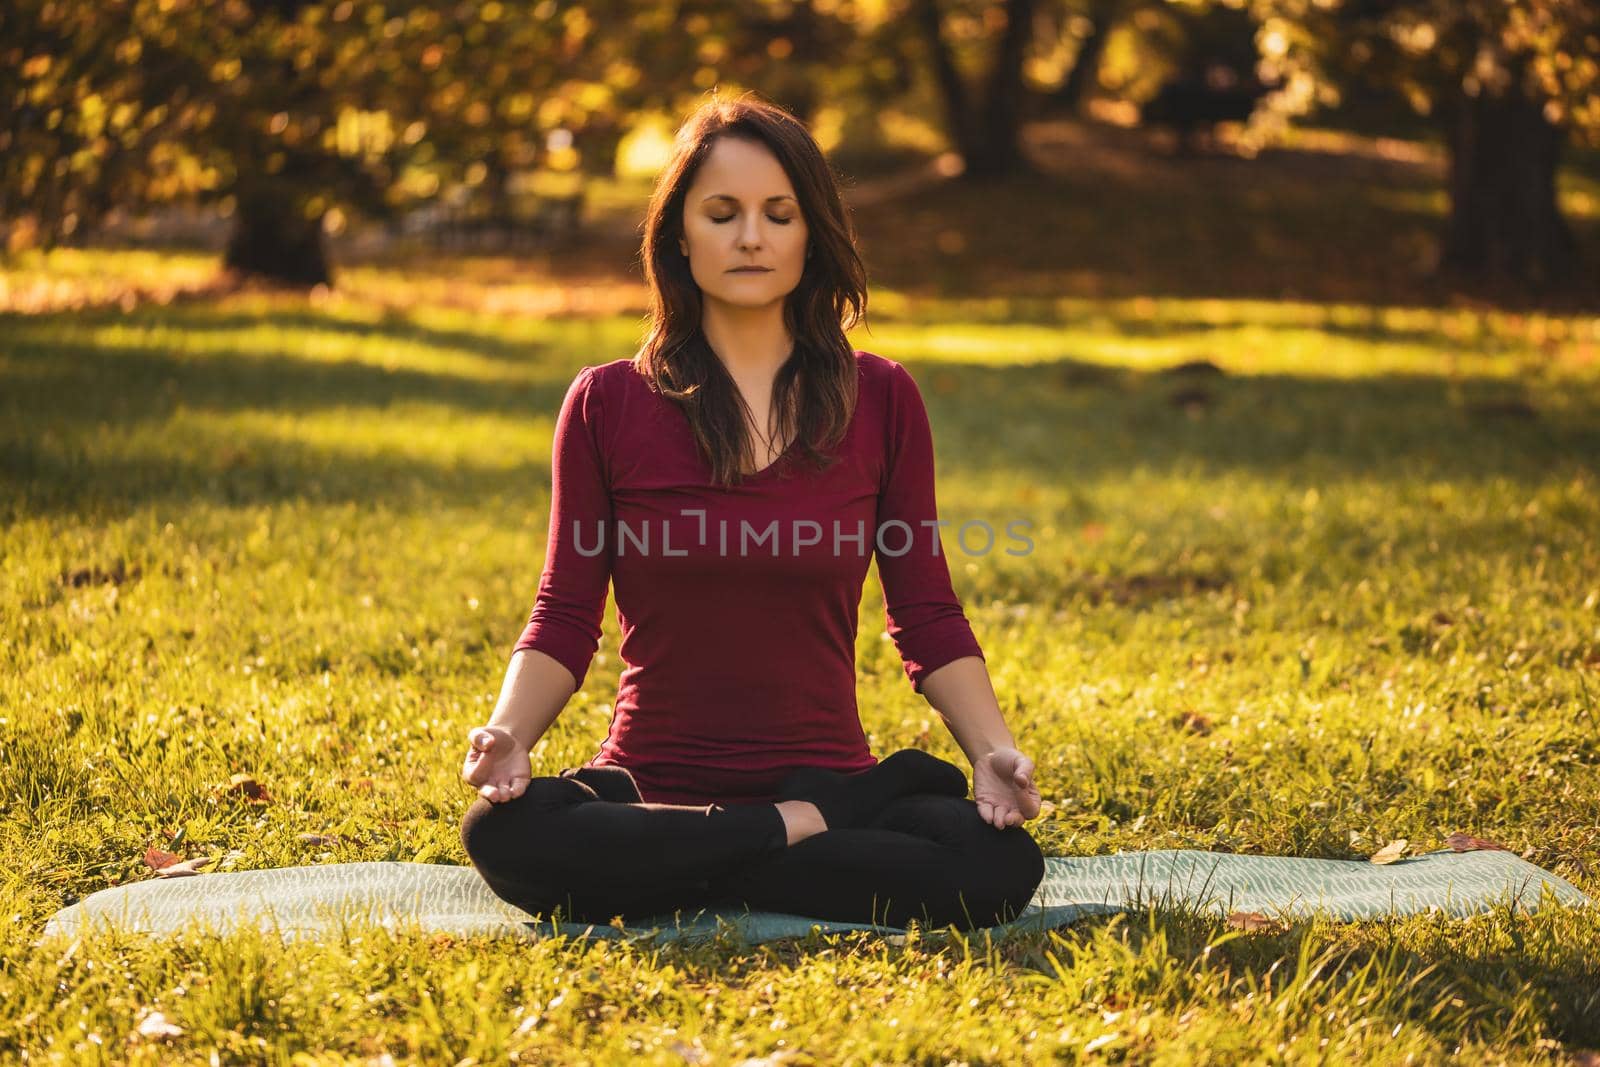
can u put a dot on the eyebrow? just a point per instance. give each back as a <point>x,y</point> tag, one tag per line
<point>725,196</point>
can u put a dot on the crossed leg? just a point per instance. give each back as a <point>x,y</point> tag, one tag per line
<point>926,857</point>
<point>584,843</point>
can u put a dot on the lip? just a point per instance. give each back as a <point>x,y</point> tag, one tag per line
<point>750,270</point>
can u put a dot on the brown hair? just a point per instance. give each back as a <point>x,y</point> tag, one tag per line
<point>814,394</point>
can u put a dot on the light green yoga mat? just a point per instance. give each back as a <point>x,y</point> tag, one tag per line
<point>304,901</point>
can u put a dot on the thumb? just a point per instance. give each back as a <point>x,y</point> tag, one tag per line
<point>482,740</point>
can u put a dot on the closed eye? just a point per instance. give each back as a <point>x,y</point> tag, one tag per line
<point>730,218</point>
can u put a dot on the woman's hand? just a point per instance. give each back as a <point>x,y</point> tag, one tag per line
<point>497,764</point>
<point>1002,784</point>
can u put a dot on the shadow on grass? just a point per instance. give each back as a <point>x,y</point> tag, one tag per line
<point>1052,424</point>
<point>1125,218</point>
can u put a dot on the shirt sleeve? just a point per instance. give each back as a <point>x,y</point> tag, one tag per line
<point>925,618</point>
<point>566,616</point>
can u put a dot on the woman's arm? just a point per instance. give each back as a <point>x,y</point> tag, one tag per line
<point>926,622</point>
<point>942,658</point>
<point>963,695</point>
<point>536,689</point>
<point>556,648</point>
<point>1002,777</point>
<point>499,763</point>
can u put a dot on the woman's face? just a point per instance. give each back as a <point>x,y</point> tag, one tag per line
<point>741,211</point>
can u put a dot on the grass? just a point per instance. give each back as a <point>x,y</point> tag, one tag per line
<point>1343,591</point>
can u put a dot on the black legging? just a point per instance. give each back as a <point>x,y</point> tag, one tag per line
<point>584,841</point>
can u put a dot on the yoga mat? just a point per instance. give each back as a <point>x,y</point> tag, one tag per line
<point>310,901</point>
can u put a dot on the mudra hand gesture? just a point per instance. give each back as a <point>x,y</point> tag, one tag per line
<point>1002,784</point>
<point>497,764</point>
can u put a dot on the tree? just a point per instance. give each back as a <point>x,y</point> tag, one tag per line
<point>1508,81</point>
<point>986,128</point>
<point>285,110</point>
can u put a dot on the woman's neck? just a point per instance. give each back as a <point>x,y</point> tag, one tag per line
<point>752,346</point>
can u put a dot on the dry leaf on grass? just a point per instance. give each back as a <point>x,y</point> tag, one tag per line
<point>246,786</point>
<point>1393,852</point>
<point>1194,722</point>
<point>156,859</point>
<point>185,868</point>
<point>1255,922</point>
<point>1459,842</point>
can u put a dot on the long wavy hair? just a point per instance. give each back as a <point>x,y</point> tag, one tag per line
<point>814,394</point>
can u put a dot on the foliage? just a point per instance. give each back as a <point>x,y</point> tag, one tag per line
<point>1434,51</point>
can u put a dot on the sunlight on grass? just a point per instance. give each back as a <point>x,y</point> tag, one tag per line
<point>1337,584</point>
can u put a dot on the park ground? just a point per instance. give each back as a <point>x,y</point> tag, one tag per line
<point>1313,569</point>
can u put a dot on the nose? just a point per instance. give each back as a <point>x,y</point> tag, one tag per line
<point>750,231</point>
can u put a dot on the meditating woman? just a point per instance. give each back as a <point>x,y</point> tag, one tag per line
<point>732,481</point>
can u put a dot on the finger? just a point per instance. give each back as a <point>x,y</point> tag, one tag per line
<point>518,787</point>
<point>985,810</point>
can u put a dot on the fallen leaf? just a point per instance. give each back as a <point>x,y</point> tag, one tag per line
<point>186,868</point>
<point>1392,852</point>
<point>157,1025</point>
<point>1255,922</point>
<point>156,859</point>
<point>116,574</point>
<point>245,785</point>
<point>1459,842</point>
<point>1194,722</point>
<point>323,839</point>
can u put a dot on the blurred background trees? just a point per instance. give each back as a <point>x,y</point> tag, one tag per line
<point>1508,84</point>
<point>296,119</point>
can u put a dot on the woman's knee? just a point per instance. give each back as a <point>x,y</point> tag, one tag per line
<point>494,833</point>
<point>1000,870</point>
<point>1005,867</point>
<point>1017,867</point>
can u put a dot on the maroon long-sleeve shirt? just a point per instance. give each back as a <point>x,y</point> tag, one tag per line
<point>738,605</point>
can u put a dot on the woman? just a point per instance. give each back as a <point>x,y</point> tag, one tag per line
<point>731,481</point>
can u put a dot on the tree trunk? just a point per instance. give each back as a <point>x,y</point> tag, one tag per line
<point>989,137</point>
<point>273,239</point>
<point>1505,224</point>
<point>999,152</point>
<point>947,76</point>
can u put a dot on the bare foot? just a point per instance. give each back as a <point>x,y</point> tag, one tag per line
<point>801,818</point>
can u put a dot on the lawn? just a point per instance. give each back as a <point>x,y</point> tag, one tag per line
<point>1334,584</point>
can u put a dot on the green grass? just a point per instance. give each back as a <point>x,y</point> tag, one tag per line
<point>296,539</point>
